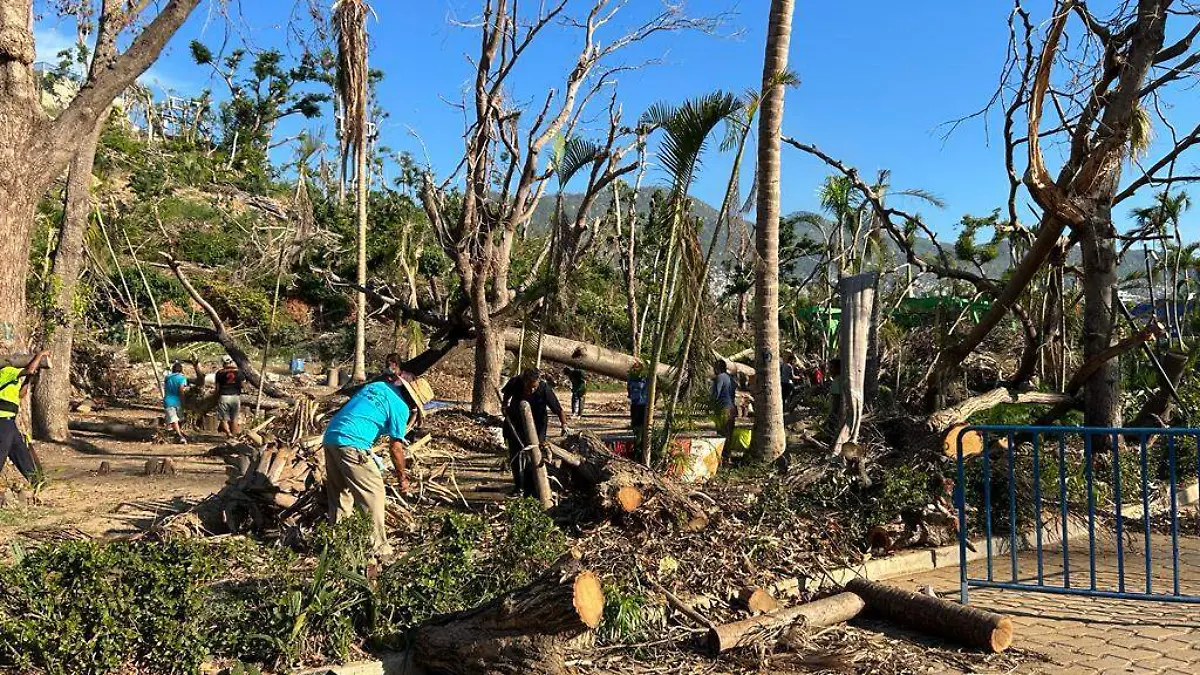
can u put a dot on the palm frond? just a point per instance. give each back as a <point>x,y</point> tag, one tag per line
<point>687,128</point>
<point>576,154</point>
<point>350,25</point>
<point>925,196</point>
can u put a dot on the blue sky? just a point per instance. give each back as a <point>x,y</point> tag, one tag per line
<point>879,79</point>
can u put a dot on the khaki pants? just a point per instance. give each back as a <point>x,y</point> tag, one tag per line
<point>352,479</point>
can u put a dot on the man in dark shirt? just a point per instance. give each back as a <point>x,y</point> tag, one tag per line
<point>527,387</point>
<point>723,391</point>
<point>229,396</point>
<point>578,381</point>
<point>788,377</point>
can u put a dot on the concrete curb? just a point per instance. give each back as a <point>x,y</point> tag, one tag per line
<point>387,664</point>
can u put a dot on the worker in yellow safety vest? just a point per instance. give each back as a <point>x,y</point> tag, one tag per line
<point>14,383</point>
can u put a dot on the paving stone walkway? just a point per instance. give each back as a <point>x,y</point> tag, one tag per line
<point>1086,635</point>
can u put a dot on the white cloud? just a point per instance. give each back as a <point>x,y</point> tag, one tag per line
<point>161,82</point>
<point>48,41</point>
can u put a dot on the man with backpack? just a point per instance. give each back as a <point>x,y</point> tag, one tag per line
<point>229,396</point>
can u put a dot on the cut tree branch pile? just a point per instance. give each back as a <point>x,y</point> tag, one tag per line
<point>620,487</point>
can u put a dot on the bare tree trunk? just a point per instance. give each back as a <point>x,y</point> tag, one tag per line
<point>489,363</point>
<point>769,438</point>
<point>1101,394</point>
<point>51,397</point>
<point>360,317</point>
<point>629,262</point>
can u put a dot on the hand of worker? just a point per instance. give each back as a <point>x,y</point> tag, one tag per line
<point>402,477</point>
<point>567,431</point>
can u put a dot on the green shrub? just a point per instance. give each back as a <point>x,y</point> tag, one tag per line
<point>87,607</point>
<point>531,543</point>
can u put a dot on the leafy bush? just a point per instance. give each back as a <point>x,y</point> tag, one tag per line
<point>86,607</point>
<point>531,543</point>
<point>449,572</point>
<point>167,607</point>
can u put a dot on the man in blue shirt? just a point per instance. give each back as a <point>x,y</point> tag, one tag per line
<point>354,473</point>
<point>173,387</point>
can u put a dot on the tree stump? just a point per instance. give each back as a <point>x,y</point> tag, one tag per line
<point>525,631</point>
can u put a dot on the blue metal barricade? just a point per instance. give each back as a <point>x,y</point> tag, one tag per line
<point>1082,486</point>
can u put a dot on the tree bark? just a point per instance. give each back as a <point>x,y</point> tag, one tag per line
<point>1101,390</point>
<point>525,631</point>
<point>769,438</point>
<point>489,363</point>
<point>942,618</point>
<point>52,396</point>
<point>360,313</point>
<point>618,486</point>
<point>825,612</point>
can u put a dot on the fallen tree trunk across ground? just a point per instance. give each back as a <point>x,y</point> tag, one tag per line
<point>127,432</point>
<point>940,618</point>
<point>525,631</point>
<point>596,359</point>
<point>959,414</point>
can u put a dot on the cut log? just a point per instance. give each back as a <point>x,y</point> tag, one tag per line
<point>618,486</point>
<point>128,432</point>
<point>826,612</point>
<point>629,498</point>
<point>940,618</point>
<point>525,631</point>
<point>541,480</point>
<point>972,442</point>
<point>757,600</point>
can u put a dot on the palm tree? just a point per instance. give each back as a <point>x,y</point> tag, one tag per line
<point>769,438</point>
<point>1161,220</point>
<point>350,23</point>
<point>737,134</point>
<point>687,130</point>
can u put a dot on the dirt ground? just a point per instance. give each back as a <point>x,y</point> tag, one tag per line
<point>79,501</point>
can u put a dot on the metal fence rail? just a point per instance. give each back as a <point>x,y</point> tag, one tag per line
<point>1021,518</point>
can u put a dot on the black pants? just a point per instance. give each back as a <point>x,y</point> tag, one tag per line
<point>12,443</point>
<point>520,463</point>
<point>637,415</point>
<point>577,403</point>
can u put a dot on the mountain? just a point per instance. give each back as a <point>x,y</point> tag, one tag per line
<point>1133,262</point>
